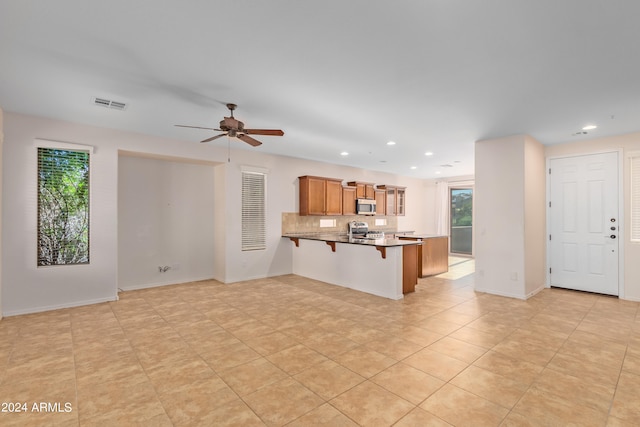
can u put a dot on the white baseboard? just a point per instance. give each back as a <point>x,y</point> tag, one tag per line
<point>502,294</point>
<point>165,283</point>
<point>58,306</point>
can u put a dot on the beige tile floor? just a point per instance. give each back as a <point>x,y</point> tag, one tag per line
<point>293,351</point>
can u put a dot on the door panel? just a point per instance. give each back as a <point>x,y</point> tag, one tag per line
<point>584,205</point>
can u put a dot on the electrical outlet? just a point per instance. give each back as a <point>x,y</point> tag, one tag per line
<point>327,223</point>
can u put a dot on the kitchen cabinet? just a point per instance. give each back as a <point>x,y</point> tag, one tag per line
<point>348,200</point>
<point>410,268</point>
<point>364,190</point>
<point>333,204</point>
<point>381,202</point>
<point>320,195</point>
<point>400,200</point>
<point>433,254</point>
<point>395,199</point>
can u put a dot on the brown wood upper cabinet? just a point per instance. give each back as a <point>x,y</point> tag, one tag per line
<point>395,203</point>
<point>348,200</point>
<point>364,190</point>
<point>381,202</point>
<point>320,196</point>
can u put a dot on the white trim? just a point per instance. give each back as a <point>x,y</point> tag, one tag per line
<point>621,213</point>
<point>254,169</point>
<point>46,143</point>
<point>59,306</point>
<point>502,294</point>
<point>164,283</point>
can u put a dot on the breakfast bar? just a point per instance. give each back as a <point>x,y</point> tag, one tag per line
<point>385,267</point>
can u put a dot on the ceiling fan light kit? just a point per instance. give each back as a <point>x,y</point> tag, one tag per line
<point>234,128</point>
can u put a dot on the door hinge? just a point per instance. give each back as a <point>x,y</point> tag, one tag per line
<point>549,236</point>
<point>549,204</point>
<point>549,171</point>
<point>549,270</point>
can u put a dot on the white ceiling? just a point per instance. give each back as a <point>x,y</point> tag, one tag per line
<point>431,75</point>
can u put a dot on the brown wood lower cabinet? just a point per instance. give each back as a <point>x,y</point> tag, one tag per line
<point>409,268</point>
<point>433,255</point>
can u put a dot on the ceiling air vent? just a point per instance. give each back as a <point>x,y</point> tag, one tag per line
<point>109,103</point>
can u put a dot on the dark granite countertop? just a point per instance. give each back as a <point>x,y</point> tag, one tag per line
<point>423,236</point>
<point>344,238</point>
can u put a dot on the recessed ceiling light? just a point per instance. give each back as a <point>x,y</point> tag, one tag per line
<point>391,143</point>
<point>414,167</point>
<point>428,153</point>
<point>344,153</point>
<point>589,127</point>
<point>438,172</point>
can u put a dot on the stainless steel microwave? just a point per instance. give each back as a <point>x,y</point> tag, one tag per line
<point>365,207</point>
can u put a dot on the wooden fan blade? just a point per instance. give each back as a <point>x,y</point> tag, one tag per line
<point>195,127</point>
<point>214,137</point>
<point>249,140</point>
<point>272,132</point>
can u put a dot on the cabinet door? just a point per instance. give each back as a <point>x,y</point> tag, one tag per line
<point>348,200</point>
<point>333,205</point>
<point>400,202</point>
<point>369,192</point>
<point>391,201</point>
<point>381,202</point>
<point>312,195</point>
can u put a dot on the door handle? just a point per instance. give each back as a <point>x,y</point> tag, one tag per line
<point>613,236</point>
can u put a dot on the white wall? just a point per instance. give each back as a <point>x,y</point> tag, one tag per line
<point>27,288</point>
<point>628,143</point>
<point>499,216</point>
<point>535,229</point>
<point>510,216</point>
<point>165,218</point>
<point>1,173</point>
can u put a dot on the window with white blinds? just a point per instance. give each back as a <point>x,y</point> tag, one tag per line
<point>635,198</point>
<point>63,207</point>
<point>253,211</point>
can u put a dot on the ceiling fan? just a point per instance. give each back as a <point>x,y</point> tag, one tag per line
<point>232,127</point>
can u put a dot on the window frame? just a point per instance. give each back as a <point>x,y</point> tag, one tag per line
<point>63,146</point>
<point>253,235</point>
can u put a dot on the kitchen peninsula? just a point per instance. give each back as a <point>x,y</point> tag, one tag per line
<point>386,267</point>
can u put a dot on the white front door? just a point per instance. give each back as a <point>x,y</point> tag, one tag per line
<point>584,223</point>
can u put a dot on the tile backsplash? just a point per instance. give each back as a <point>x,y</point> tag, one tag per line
<point>292,222</point>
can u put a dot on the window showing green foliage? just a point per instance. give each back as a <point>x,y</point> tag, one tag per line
<point>63,207</point>
<point>461,207</point>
